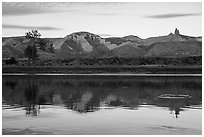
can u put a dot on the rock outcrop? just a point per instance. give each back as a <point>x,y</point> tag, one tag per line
<point>176,32</point>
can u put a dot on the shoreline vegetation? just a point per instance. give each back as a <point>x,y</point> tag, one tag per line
<point>148,65</point>
<point>145,69</point>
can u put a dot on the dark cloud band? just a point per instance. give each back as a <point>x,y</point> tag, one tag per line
<point>20,8</point>
<point>7,26</point>
<point>27,8</point>
<point>176,15</point>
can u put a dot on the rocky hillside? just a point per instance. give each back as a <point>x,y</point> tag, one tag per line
<point>88,45</point>
<point>175,49</point>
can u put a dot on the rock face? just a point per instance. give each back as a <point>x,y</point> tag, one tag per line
<point>89,45</point>
<point>83,44</point>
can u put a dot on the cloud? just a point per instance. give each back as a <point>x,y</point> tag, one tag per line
<point>106,14</point>
<point>20,8</point>
<point>99,13</point>
<point>173,15</point>
<point>8,26</point>
<point>25,8</point>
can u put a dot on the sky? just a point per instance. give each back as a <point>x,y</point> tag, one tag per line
<point>107,19</point>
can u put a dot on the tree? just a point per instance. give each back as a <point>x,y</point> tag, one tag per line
<point>33,34</point>
<point>31,53</point>
<point>51,48</point>
<point>12,60</point>
<point>31,50</point>
<point>41,44</point>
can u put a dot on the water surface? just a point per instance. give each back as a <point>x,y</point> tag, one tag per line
<point>100,105</point>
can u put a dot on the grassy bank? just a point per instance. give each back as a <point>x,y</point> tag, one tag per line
<point>145,69</point>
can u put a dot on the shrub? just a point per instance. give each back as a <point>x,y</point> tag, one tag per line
<point>10,61</point>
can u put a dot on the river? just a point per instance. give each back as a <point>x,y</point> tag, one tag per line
<point>101,105</point>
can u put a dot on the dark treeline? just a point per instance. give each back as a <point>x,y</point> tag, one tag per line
<point>194,60</point>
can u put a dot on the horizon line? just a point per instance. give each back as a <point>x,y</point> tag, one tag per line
<point>101,35</point>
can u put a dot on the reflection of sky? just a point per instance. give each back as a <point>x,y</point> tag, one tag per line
<point>146,120</point>
<point>105,19</point>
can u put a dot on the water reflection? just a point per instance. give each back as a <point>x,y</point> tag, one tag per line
<point>87,94</point>
<point>175,105</point>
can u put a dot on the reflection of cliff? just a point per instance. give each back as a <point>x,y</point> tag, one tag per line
<point>85,103</point>
<point>88,95</point>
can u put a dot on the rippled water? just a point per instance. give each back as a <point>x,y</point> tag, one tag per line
<point>100,105</point>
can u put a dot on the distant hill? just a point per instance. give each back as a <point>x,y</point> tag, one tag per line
<point>12,40</point>
<point>175,49</point>
<point>88,45</point>
<point>127,49</point>
<point>10,51</point>
<point>133,38</point>
<point>169,38</point>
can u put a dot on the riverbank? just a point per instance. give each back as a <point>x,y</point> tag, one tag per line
<point>145,69</point>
